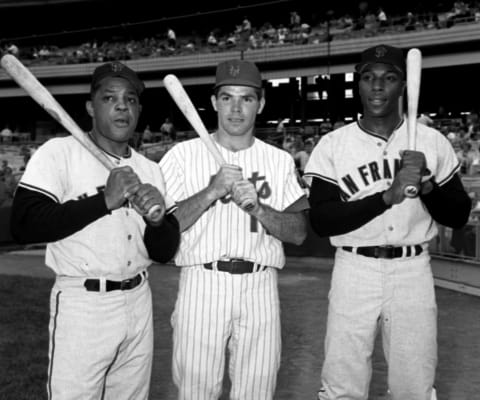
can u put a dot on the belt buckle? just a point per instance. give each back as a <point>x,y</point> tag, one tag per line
<point>384,251</point>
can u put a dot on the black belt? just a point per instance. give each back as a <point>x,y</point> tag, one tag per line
<point>235,266</point>
<point>93,285</point>
<point>386,251</point>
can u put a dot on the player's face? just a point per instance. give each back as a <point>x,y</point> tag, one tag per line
<point>237,108</point>
<point>115,109</point>
<point>380,88</point>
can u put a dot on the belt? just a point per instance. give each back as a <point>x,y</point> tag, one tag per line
<point>386,251</point>
<point>93,285</point>
<point>235,266</point>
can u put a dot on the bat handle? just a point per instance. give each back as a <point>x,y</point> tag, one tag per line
<point>410,191</point>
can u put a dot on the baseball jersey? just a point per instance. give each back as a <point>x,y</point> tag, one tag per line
<point>224,231</point>
<point>112,246</point>
<point>362,163</point>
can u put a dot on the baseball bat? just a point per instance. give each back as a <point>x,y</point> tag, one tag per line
<point>414,72</point>
<point>25,79</point>
<point>181,98</point>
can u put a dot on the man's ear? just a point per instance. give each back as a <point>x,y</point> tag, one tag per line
<point>214,102</point>
<point>262,104</point>
<point>89,107</point>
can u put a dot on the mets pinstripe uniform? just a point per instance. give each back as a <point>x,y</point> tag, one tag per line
<point>382,276</point>
<point>228,286</point>
<point>101,330</point>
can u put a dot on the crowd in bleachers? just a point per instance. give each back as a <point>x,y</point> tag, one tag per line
<point>245,36</point>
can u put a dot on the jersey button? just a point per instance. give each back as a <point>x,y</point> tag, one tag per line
<point>129,237</point>
<point>379,144</point>
<point>390,228</point>
<point>129,263</point>
<point>385,153</point>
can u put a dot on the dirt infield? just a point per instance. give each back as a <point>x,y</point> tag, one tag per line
<point>304,285</point>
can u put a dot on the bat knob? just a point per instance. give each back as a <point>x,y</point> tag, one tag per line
<point>411,191</point>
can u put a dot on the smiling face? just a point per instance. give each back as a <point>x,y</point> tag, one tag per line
<point>380,88</point>
<point>237,108</point>
<point>115,109</point>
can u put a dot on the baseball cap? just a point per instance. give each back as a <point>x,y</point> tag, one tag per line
<point>117,69</point>
<point>238,73</point>
<point>382,54</point>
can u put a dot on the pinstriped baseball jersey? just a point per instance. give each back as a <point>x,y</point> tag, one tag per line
<point>63,170</point>
<point>224,231</point>
<point>362,163</point>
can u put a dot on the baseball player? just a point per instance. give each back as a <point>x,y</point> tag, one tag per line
<point>382,277</point>
<point>101,330</point>
<point>230,257</point>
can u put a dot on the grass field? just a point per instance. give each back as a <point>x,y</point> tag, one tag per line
<point>303,295</point>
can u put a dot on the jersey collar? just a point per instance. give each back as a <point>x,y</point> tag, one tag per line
<point>128,154</point>
<point>376,135</point>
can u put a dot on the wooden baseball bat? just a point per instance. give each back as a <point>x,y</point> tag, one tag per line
<point>181,98</point>
<point>25,79</point>
<point>414,72</point>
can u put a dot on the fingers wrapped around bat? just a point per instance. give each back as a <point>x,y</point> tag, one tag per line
<point>415,160</point>
<point>145,199</point>
<point>245,195</point>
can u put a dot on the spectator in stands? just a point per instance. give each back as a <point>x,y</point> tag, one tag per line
<point>5,169</point>
<point>425,120</point>
<point>295,20</point>
<point>171,39</point>
<point>167,130</point>
<point>212,40</point>
<point>281,130</point>
<point>13,49</point>
<point>382,18</point>
<point>147,135</point>
<point>411,22</point>
<point>6,134</point>
<point>468,158</point>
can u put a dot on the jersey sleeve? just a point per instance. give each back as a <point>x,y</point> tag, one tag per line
<point>170,204</point>
<point>293,190</point>
<point>320,164</point>
<point>448,163</point>
<point>45,171</point>
<point>173,172</point>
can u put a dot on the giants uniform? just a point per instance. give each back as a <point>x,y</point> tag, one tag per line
<point>219,302</point>
<point>109,249</point>
<point>368,289</point>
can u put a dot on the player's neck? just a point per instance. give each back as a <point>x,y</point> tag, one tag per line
<point>232,142</point>
<point>119,149</point>
<point>380,126</point>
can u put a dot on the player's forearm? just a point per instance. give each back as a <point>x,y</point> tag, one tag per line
<point>191,209</point>
<point>330,216</point>
<point>448,204</point>
<point>36,218</point>
<point>162,241</point>
<point>288,227</point>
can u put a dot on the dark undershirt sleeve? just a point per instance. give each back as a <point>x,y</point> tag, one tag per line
<point>162,241</point>
<point>36,218</point>
<point>330,216</point>
<point>448,204</point>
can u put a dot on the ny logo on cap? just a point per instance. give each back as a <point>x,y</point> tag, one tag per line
<point>380,51</point>
<point>116,66</point>
<point>234,70</point>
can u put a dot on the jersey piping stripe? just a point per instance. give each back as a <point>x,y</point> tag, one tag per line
<point>323,177</point>
<point>371,133</point>
<point>450,175</point>
<point>52,352</point>
<point>37,189</point>
<point>171,209</point>
<point>128,155</point>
